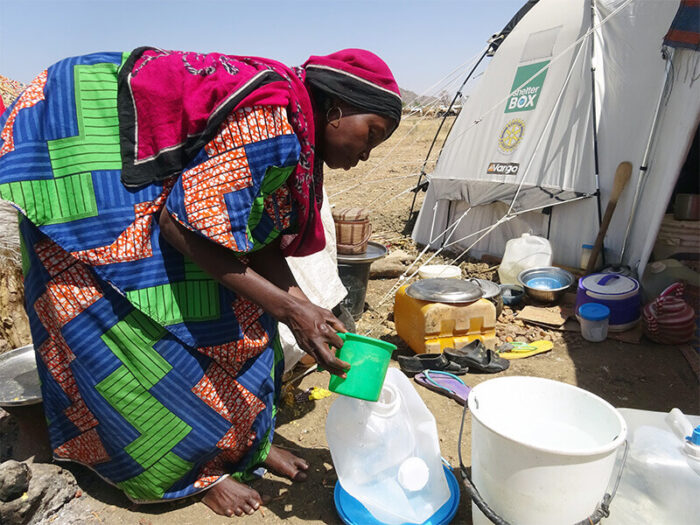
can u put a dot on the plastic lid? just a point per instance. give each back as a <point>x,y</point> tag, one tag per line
<point>588,246</point>
<point>413,474</point>
<point>594,311</point>
<point>350,214</point>
<point>609,285</point>
<point>695,437</point>
<point>657,267</point>
<point>692,445</point>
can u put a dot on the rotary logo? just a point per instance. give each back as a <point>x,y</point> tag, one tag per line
<point>511,136</point>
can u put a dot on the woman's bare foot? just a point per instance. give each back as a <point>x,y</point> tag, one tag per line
<point>286,464</point>
<point>229,497</point>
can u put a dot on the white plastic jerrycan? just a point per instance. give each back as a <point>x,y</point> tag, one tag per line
<point>660,481</point>
<point>526,251</point>
<point>387,454</point>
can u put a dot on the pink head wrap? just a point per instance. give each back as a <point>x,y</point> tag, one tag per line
<point>172,102</point>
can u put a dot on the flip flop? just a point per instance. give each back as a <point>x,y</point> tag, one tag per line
<point>444,383</point>
<point>477,357</point>
<point>519,350</point>
<point>412,364</point>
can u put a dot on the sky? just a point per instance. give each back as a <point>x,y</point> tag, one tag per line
<point>422,41</point>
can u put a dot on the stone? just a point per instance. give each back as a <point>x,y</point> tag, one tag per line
<point>50,488</point>
<point>9,432</point>
<point>400,256</point>
<point>386,269</point>
<point>391,266</point>
<point>14,479</point>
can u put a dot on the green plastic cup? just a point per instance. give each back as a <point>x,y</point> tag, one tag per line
<point>369,360</point>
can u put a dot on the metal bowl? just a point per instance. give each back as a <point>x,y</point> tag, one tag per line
<point>19,379</point>
<point>545,284</point>
<point>512,294</point>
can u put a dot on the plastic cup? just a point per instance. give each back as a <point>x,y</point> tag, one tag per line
<point>369,360</point>
<point>594,318</point>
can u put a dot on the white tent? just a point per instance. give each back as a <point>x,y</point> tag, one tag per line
<point>572,92</point>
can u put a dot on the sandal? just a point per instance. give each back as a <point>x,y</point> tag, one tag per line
<point>444,383</point>
<point>477,357</point>
<point>519,350</point>
<point>413,364</point>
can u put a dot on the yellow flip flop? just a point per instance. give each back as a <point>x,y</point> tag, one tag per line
<point>521,350</point>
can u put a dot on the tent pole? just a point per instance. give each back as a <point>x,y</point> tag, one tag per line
<point>595,126</point>
<point>667,54</point>
<point>444,117</point>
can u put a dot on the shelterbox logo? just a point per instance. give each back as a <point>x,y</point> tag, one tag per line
<point>525,98</point>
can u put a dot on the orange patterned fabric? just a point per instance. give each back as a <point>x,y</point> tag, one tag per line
<point>31,96</point>
<point>227,170</point>
<point>135,242</point>
<point>87,448</point>
<point>70,292</point>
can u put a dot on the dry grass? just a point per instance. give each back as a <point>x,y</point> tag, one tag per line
<point>383,183</point>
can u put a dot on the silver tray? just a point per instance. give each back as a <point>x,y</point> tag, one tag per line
<point>374,251</point>
<point>445,290</point>
<point>19,379</point>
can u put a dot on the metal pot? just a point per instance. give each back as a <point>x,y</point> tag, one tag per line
<point>492,292</point>
<point>686,207</point>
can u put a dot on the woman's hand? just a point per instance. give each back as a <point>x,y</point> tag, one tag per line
<point>269,283</point>
<point>314,329</point>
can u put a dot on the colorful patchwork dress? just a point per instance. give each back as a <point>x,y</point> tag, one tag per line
<point>153,374</point>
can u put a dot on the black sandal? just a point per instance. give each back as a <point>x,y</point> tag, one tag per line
<point>413,364</point>
<point>477,357</point>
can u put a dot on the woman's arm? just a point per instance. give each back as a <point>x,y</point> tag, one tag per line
<point>272,287</point>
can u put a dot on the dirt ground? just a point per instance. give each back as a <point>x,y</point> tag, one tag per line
<point>643,376</point>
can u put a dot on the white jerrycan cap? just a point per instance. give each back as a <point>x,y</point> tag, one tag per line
<point>413,474</point>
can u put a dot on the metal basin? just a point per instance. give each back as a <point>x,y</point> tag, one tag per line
<point>545,284</point>
<point>19,379</point>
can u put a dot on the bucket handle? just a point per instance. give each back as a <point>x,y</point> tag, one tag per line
<point>601,511</point>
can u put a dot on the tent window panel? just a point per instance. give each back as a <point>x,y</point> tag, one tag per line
<point>540,45</point>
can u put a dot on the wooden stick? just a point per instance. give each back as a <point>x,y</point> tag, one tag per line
<point>622,176</point>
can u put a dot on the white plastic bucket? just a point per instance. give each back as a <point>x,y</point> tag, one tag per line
<point>442,271</point>
<point>543,452</point>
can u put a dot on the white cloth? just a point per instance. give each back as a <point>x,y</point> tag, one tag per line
<point>317,276</point>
